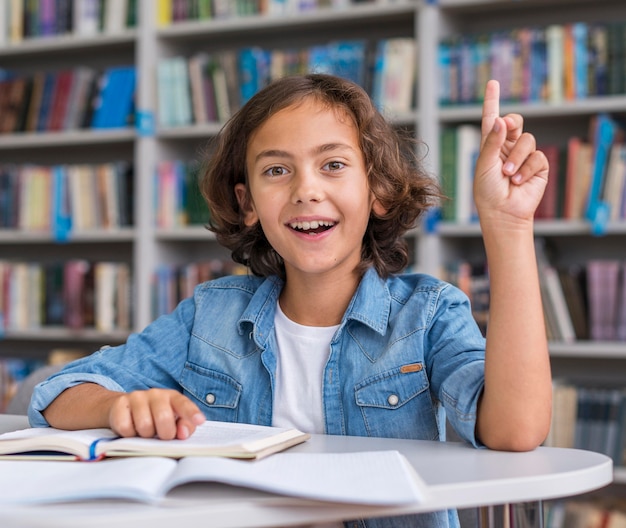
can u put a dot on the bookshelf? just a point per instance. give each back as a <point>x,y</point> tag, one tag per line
<point>144,246</point>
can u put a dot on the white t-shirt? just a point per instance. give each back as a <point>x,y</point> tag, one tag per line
<point>300,359</point>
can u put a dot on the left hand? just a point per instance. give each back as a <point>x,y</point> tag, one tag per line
<point>511,174</point>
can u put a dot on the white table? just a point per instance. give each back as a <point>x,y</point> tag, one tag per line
<point>458,476</point>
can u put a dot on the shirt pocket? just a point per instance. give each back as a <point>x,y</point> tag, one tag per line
<point>398,404</point>
<point>217,394</point>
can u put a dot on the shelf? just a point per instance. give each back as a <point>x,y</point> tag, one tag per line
<point>589,350</point>
<point>54,44</point>
<point>97,236</point>
<point>542,228</point>
<point>192,131</point>
<point>591,105</point>
<point>185,233</point>
<point>86,335</point>
<point>29,140</point>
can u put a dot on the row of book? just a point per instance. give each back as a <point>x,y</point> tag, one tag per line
<point>66,199</point>
<point>587,178</point>
<point>172,283</point>
<point>52,101</point>
<point>75,294</point>
<point>585,301</point>
<point>172,11</point>
<point>589,417</point>
<point>27,19</point>
<point>210,87</point>
<point>595,512</point>
<point>580,301</point>
<point>178,199</point>
<point>554,63</point>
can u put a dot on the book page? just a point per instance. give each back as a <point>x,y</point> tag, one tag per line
<point>29,482</point>
<point>51,439</point>
<point>375,478</point>
<point>209,437</point>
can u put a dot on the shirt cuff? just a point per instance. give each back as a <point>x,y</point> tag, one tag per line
<point>47,391</point>
<point>460,400</point>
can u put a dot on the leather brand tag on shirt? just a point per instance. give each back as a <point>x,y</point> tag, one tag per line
<point>413,367</point>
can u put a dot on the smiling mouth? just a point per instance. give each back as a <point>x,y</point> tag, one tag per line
<point>312,228</point>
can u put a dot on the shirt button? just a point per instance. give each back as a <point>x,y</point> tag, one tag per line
<point>210,398</point>
<point>393,400</point>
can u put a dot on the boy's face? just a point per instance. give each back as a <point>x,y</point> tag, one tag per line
<point>308,188</point>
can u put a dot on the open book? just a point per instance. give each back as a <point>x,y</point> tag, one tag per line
<point>376,478</point>
<point>222,439</point>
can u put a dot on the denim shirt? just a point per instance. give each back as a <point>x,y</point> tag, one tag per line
<point>406,355</point>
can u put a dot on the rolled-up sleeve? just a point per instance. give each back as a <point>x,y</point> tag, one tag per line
<point>152,358</point>
<point>457,361</point>
<point>47,391</point>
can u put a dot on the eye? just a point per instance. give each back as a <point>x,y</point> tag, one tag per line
<point>276,171</point>
<point>334,166</point>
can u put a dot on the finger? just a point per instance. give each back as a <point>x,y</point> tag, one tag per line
<point>491,107</point>
<point>120,417</point>
<point>163,416</point>
<point>524,147</point>
<point>492,144</point>
<point>536,165</point>
<point>142,414</point>
<point>514,127</point>
<point>189,416</point>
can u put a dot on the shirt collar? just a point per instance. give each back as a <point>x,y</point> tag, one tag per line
<point>370,306</point>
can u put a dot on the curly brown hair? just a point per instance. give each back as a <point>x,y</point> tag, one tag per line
<point>395,175</point>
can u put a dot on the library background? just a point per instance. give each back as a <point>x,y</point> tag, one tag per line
<point>107,108</point>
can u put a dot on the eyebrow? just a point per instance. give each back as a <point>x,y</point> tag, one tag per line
<point>277,153</point>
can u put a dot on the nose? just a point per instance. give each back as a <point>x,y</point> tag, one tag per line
<point>307,186</point>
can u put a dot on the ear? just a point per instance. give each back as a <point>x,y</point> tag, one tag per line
<point>245,204</point>
<point>378,209</point>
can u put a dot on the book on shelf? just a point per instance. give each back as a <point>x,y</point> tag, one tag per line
<point>603,279</point>
<point>380,478</point>
<point>614,192</point>
<point>572,279</point>
<point>395,70</point>
<point>86,17</point>
<point>114,105</point>
<point>604,130</point>
<point>223,439</point>
<point>548,207</point>
<point>620,319</point>
<point>467,147</point>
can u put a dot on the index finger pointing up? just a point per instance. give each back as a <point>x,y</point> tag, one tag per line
<point>491,107</point>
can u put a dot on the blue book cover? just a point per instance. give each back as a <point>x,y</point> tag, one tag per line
<point>598,210</point>
<point>116,98</point>
<point>253,71</point>
<point>348,60</point>
<point>538,65</point>
<point>103,100</point>
<point>46,101</point>
<point>581,60</point>
<point>61,220</point>
<point>319,60</point>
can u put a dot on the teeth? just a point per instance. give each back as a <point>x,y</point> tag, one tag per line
<point>313,224</point>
